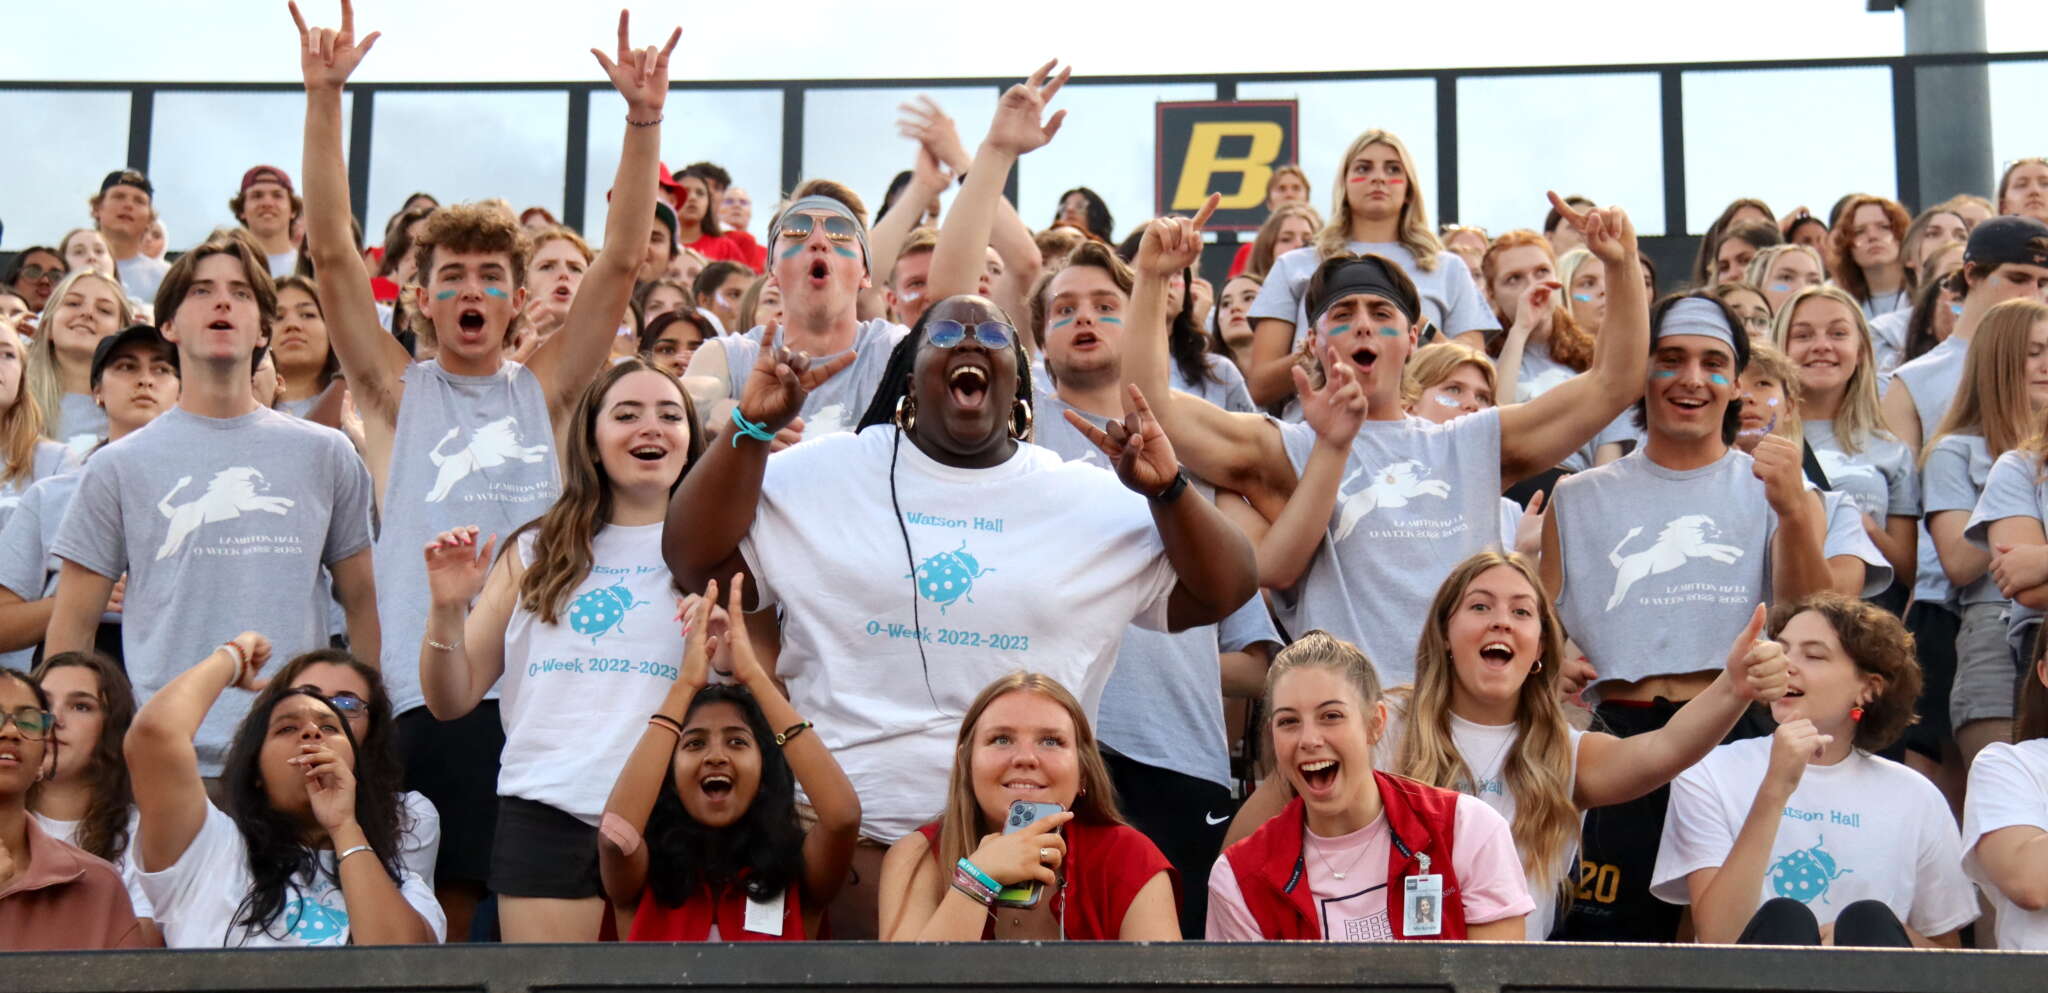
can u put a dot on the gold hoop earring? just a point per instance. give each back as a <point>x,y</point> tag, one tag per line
<point>1021,432</point>
<point>906,414</point>
<point>1538,667</point>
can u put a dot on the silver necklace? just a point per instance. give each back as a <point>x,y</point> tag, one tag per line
<point>1320,857</point>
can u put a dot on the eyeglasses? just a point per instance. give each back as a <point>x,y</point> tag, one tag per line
<point>797,227</point>
<point>33,272</point>
<point>1757,322</point>
<point>349,705</point>
<point>991,334</point>
<point>34,723</point>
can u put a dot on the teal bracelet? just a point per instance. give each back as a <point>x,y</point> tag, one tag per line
<point>979,876</point>
<point>749,429</point>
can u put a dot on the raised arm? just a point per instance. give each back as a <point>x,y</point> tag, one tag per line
<point>1799,564</point>
<point>567,361</point>
<point>472,595</point>
<point>929,177</point>
<point>962,252</point>
<point>1616,770</point>
<point>621,834</point>
<point>1011,237</point>
<point>162,762</point>
<point>1537,435</point>
<point>713,508</point>
<point>372,360</point>
<point>1239,452</point>
<point>1336,410</point>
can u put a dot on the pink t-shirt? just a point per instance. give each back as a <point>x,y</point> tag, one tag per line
<point>1355,908</point>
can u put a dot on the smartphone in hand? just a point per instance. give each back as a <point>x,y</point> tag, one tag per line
<point>1023,814</point>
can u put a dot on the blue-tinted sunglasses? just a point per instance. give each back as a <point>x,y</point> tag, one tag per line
<point>991,334</point>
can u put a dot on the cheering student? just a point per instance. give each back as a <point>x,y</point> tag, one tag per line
<point>1025,739</point>
<point>52,895</point>
<point>134,378</point>
<point>306,852</point>
<point>948,550</point>
<point>1805,837</point>
<point>468,438</point>
<point>580,595</point>
<point>1339,861</point>
<point>702,828</point>
<point>85,308</point>
<point>1386,518</point>
<point>1376,209</point>
<point>2005,820</point>
<point>85,797</point>
<point>220,509</point>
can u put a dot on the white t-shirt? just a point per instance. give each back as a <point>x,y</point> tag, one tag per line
<point>1865,828</point>
<point>590,678</point>
<point>131,872</point>
<point>197,898</point>
<point>2008,788</point>
<point>420,838</point>
<point>1354,908</point>
<point>1035,564</point>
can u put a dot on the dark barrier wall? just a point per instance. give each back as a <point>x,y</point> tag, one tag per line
<point>1465,968</point>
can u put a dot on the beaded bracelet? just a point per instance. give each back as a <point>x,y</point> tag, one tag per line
<point>749,429</point>
<point>644,124</point>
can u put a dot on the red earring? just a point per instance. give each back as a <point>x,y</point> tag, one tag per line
<point>1856,714</point>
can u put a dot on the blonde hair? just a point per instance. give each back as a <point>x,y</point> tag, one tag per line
<point>1769,361</point>
<point>1991,399</point>
<point>1413,231</point>
<point>1263,246</point>
<point>40,381</point>
<point>21,426</point>
<point>961,826</point>
<point>1859,419</point>
<point>1538,770</point>
<point>1319,649</point>
<point>1432,364</point>
<point>1759,268</point>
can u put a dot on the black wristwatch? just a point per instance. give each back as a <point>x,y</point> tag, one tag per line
<point>1173,490</point>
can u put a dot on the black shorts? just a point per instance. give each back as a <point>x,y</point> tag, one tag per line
<point>455,763</point>
<point>1186,817</point>
<point>1934,643</point>
<point>542,852</point>
<point>1618,849</point>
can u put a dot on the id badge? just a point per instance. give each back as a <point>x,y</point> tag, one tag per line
<point>1422,904</point>
<point>766,917</point>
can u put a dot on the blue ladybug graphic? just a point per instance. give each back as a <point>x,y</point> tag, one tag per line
<point>948,577</point>
<point>316,923</point>
<point>1805,874</point>
<point>597,612</point>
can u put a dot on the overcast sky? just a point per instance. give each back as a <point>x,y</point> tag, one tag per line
<point>1516,136</point>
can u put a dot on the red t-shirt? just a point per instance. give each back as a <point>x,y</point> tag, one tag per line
<point>756,256</point>
<point>657,921</point>
<point>1106,866</point>
<point>717,246</point>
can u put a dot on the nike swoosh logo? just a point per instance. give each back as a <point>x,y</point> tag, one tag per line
<point>1213,821</point>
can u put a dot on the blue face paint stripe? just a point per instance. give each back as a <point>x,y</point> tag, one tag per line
<point>445,295</point>
<point>1582,298</point>
<point>1663,374</point>
<point>492,291</point>
<point>791,251</point>
<point>1717,379</point>
<point>1110,320</point>
<point>1339,329</point>
<point>1389,332</point>
<point>845,251</point>
<point>1062,322</point>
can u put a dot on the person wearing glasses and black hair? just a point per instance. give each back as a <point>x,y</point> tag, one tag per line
<point>34,274</point>
<point>53,895</point>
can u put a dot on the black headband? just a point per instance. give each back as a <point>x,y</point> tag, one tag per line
<point>1360,276</point>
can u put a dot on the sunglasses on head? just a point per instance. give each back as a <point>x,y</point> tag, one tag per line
<point>33,722</point>
<point>991,334</point>
<point>797,227</point>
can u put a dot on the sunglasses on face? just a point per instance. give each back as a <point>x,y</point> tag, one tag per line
<point>33,272</point>
<point>34,723</point>
<point>797,227</point>
<point>991,334</point>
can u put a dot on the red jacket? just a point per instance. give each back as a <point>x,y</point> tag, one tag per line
<point>1106,866</point>
<point>657,921</point>
<point>1271,874</point>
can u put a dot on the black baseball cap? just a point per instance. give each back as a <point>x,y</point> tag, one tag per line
<point>134,334</point>
<point>666,216</point>
<point>2008,239</point>
<point>128,177</point>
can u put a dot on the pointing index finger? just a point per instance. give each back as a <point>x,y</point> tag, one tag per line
<point>1208,210</point>
<point>1567,211</point>
<point>625,35</point>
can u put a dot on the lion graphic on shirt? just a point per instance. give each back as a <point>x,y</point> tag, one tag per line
<point>1392,486</point>
<point>492,445</point>
<point>1685,538</point>
<point>234,491</point>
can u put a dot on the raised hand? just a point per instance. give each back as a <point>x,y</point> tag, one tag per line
<point>1529,530</point>
<point>640,75</point>
<point>330,785</point>
<point>1779,463</point>
<point>1016,128</point>
<point>746,666</point>
<point>326,56</point>
<point>926,123</point>
<point>1608,232</point>
<point>1137,445</point>
<point>1174,243</point>
<point>1336,409</point>
<point>927,172</point>
<point>1033,854</point>
<point>457,566</point>
<point>256,649</point>
<point>1533,312</point>
<point>1756,666</point>
<point>699,641</point>
<point>781,379</point>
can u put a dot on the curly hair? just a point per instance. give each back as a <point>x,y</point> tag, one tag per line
<point>1879,644</point>
<point>471,227</point>
<point>1842,239</point>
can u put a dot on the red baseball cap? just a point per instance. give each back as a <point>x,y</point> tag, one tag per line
<point>267,174</point>
<point>668,182</point>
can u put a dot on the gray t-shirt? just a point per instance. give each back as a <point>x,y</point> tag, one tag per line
<point>1931,381</point>
<point>1846,537</point>
<point>838,403</point>
<point>140,277</point>
<point>1224,385</point>
<point>1957,469</point>
<point>1163,704</point>
<point>1888,339</point>
<point>80,423</point>
<point>1880,478</point>
<point>1416,499</point>
<point>49,459</point>
<point>1662,567</point>
<point>27,569</point>
<point>2014,488</point>
<point>466,450</point>
<point>222,525</point>
<point>1449,297</point>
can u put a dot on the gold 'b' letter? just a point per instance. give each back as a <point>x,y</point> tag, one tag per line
<point>1203,162</point>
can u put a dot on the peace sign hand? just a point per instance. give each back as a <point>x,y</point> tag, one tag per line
<point>1608,232</point>
<point>1137,444</point>
<point>781,379</point>
<point>1016,128</point>
<point>327,57</point>
<point>640,75</point>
